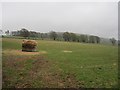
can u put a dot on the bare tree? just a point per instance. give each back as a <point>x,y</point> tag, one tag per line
<point>113,41</point>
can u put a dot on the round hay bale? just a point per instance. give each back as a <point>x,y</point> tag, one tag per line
<point>29,45</point>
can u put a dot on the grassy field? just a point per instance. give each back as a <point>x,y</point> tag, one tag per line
<point>59,65</point>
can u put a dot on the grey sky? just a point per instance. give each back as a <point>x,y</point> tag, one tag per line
<point>79,17</point>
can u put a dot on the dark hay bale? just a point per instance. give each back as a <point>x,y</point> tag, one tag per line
<point>29,45</point>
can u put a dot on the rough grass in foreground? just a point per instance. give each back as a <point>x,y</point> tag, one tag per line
<point>88,65</point>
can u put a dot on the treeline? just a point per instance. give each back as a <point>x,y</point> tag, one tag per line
<point>65,36</point>
<point>80,38</point>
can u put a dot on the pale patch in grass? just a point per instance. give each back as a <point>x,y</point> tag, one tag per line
<point>114,64</point>
<point>66,51</point>
<point>43,52</point>
<point>20,52</point>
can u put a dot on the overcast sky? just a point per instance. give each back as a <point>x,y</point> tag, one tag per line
<point>79,17</point>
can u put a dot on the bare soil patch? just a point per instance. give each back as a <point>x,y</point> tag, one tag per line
<point>20,52</point>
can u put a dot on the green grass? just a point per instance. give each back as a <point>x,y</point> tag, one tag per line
<point>92,65</point>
